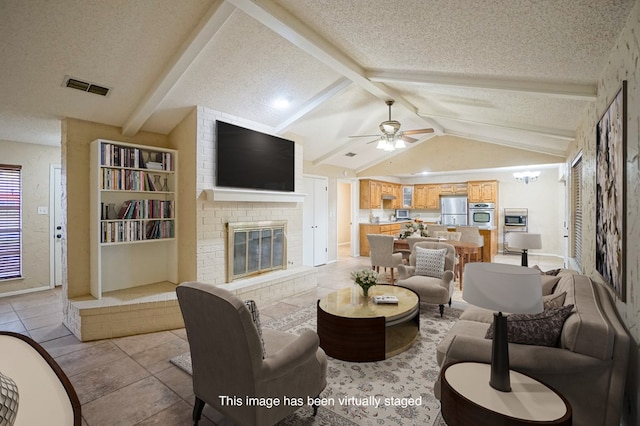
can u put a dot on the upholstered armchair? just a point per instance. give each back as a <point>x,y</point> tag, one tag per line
<point>233,357</point>
<point>430,273</point>
<point>382,253</point>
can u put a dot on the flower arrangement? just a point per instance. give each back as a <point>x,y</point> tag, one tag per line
<point>414,227</point>
<point>365,278</point>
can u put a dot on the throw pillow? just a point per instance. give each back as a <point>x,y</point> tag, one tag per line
<point>541,329</point>
<point>255,316</point>
<point>430,262</point>
<point>548,284</point>
<point>552,272</point>
<point>554,300</point>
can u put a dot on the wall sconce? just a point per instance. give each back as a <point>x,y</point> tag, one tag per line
<point>526,177</point>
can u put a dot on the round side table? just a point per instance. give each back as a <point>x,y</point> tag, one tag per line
<point>466,398</point>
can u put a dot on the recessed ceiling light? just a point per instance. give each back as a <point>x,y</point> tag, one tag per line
<point>282,103</point>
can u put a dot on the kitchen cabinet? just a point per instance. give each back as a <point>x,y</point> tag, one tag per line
<point>453,188</point>
<point>373,228</point>
<point>371,192</point>
<point>483,191</point>
<point>426,196</point>
<point>490,248</point>
<point>407,197</point>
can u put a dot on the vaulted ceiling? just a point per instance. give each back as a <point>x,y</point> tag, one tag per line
<point>517,73</point>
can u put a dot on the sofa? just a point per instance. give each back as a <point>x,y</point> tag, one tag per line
<point>587,364</point>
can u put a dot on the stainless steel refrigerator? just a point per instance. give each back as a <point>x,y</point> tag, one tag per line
<point>454,210</point>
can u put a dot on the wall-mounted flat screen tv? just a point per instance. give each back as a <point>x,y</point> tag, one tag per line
<point>252,160</point>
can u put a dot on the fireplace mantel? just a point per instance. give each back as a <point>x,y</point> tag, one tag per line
<point>226,194</point>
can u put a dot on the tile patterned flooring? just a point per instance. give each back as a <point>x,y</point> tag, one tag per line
<point>129,380</point>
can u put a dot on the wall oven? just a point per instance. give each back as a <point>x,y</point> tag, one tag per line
<point>482,214</point>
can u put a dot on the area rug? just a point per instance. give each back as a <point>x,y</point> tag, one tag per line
<point>396,391</point>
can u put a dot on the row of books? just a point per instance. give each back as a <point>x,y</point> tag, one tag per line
<point>131,180</point>
<point>141,209</point>
<point>120,156</point>
<point>121,231</point>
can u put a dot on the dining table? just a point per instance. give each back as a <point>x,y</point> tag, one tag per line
<point>464,250</point>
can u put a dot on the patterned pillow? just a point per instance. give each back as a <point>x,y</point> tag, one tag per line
<point>429,262</point>
<point>554,300</point>
<point>541,329</point>
<point>255,316</point>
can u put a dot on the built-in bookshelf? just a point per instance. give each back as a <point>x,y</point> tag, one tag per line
<point>134,216</point>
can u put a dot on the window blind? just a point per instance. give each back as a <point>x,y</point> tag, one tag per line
<point>576,208</point>
<point>10,222</point>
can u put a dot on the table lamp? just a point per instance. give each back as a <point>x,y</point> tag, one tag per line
<point>502,288</point>
<point>524,241</point>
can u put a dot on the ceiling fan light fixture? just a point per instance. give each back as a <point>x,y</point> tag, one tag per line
<point>382,142</point>
<point>400,144</point>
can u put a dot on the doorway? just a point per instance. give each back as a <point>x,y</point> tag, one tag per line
<point>345,221</point>
<point>55,226</point>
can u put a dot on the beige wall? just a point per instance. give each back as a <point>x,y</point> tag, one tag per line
<point>35,161</point>
<point>344,213</point>
<point>183,138</point>
<point>622,65</point>
<point>77,136</point>
<point>447,153</point>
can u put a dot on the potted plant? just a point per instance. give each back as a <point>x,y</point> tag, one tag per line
<point>365,278</point>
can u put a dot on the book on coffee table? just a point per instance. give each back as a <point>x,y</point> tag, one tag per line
<point>390,300</point>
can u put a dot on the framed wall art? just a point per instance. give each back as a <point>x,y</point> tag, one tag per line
<point>611,142</point>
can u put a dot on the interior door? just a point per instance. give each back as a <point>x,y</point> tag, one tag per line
<point>315,221</point>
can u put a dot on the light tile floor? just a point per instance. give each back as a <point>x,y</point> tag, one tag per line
<point>129,380</point>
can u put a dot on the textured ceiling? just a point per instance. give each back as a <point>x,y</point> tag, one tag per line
<point>515,73</point>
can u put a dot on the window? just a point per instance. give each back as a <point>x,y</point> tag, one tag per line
<point>576,210</point>
<point>10,222</point>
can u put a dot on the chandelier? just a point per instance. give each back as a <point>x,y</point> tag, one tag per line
<point>390,143</point>
<point>527,176</point>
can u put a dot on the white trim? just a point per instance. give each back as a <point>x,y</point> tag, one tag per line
<point>225,194</point>
<point>24,291</point>
<point>52,225</point>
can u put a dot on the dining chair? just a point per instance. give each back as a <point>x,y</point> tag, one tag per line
<point>382,253</point>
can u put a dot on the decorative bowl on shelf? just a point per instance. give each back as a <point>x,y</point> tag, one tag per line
<point>153,165</point>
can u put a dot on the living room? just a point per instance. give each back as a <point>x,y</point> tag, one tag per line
<point>200,234</point>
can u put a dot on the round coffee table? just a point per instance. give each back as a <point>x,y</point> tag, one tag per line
<point>354,328</point>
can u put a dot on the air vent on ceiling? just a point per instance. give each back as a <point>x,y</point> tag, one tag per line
<point>74,83</point>
<point>350,154</point>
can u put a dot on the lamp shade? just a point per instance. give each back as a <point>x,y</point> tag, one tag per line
<point>503,288</point>
<point>524,240</point>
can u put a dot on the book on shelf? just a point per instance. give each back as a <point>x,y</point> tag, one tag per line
<point>385,300</point>
<point>112,155</point>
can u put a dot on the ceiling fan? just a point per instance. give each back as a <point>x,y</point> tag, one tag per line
<point>392,138</point>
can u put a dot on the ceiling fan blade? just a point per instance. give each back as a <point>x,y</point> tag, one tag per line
<point>365,136</point>
<point>417,131</point>
<point>375,140</point>
<point>408,139</point>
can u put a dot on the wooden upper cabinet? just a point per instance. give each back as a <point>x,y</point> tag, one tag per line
<point>426,196</point>
<point>371,192</point>
<point>453,188</point>
<point>483,191</point>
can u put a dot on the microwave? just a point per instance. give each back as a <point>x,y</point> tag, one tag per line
<point>402,214</point>
<point>515,220</point>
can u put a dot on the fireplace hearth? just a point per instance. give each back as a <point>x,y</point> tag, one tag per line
<point>255,248</point>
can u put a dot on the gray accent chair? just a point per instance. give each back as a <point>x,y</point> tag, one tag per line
<point>430,289</point>
<point>227,358</point>
<point>382,253</point>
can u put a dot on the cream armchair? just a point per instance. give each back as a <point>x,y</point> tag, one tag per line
<point>230,359</point>
<point>431,289</point>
